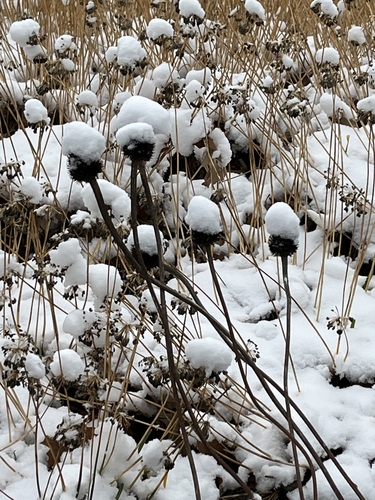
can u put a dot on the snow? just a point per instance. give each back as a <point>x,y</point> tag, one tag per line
<point>203,215</point>
<point>356,34</point>
<point>67,364</point>
<point>140,109</point>
<point>114,197</point>
<point>64,43</point>
<point>188,127</point>
<point>282,221</point>
<point>333,106</point>
<point>82,141</point>
<point>32,189</point>
<point>35,112</point>
<point>68,292</point>
<point>327,55</point>
<point>209,353</point>
<point>133,135</point>
<point>34,366</point>
<point>87,98</point>
<point>159,27</point>
<point>255,8</point>
<point>223,151</point>
<point>367,104</point>
<point>129,52</point>
<point>22,31</point>
<point>77,322</point>
<point>105,281</point>
<point>147,240</point>
<point>193,90</point>
<point>190,8</point>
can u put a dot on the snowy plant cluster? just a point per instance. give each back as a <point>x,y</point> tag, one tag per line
<point>158,162</point>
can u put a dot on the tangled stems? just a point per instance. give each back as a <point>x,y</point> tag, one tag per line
<point>241,353</point>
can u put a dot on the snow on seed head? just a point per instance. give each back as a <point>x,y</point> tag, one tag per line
<point>105,281</point>
<point>327,55</point>
<point>209,353</point>
<point>36,113</point>
<point>67,364</point>
<point>84,146</point>
<point>147,244</point>
<point>282,224</point>
<point>189,8</point>
<point>203,218</point>
<point>23,32</point>
<point>87,98</point>
<point>137,140</point>
<point>141,109</point>
<point>255,9</point>
<point>159,27</point>
<point>130,52</point>
<point>64,43</point>
<point>356,35</point>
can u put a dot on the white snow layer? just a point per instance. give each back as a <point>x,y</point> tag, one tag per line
<point>146,238</point>
<point>255,8</point>
<point>190,8</point>
<point>35,112</point>
<point>67,364</point>
<point>129,52</point>
<point>203,216</point>
<point>114,197</point>
<point>209,353</point>
<point>159,27</point>
<point>140,109</point>
<point>327,55</point>
<point>22,31</point>
<point>283,222</point>
<point>82,141</point>
<point>130,136</point>
<point>34,366</point>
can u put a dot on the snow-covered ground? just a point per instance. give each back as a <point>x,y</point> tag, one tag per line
<point>86,405</point>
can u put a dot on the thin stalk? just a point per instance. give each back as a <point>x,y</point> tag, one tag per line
<point>284,266</point>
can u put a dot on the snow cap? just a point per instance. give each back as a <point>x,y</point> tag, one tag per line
<point>282,225</point>
<point>84,146</point>
<point>137,140</point>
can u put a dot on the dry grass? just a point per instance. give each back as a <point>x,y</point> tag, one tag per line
<point>277,152</point>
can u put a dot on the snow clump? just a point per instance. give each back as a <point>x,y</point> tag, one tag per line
<point>22,32</point>
<point>82,141</point>
<point>189,8</point>
<point>356,35</point>
<point>77,322</point>
<point>34,366</point>
<point>105,281</point>
<point>146,238</point>
<point>282,223</point>
<point>327,55</point>
<point>130,52</point>
<point>114,197</point>
<point>159,27</point>
<point>64,43</point>
<point>35,112</point>
<point>140,109</point>
<point>67,364</point>
<point>32,189</point>
<point>203,216</point>
<point>209,353</point>
<point>137,140</point>
<point>255,8</point>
